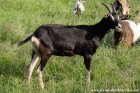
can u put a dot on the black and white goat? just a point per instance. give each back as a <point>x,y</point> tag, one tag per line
<point>128,35</point>
<point>79,7</point>
<point>122,8</point>
<point>65,40</point>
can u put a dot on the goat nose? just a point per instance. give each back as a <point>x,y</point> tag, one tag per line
<point>118,28</point>
<point>119,25</point>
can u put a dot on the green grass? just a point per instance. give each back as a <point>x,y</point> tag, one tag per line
<point>111,68</point>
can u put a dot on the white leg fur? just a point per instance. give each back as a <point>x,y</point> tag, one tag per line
<point>36,43</point>
<point>35,59</point>
<point>40,77</point>
<point>31,67</point>
<point>88,76</point>
<point>87,80</point>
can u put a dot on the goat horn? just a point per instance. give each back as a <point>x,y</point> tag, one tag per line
<point>107,7</point>
<point>113,8</point>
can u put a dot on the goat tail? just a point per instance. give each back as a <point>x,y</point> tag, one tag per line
<point>25,40</point>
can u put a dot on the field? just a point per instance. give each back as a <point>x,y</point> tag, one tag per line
<point>111,68</point>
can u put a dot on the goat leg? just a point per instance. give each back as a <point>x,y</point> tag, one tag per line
<point>31,67</point>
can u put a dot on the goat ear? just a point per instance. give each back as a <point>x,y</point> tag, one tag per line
<point>110,16</point>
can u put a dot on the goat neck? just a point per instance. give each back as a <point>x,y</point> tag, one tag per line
<point>103,27</point>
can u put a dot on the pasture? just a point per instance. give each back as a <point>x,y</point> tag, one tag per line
<point>111,68</point>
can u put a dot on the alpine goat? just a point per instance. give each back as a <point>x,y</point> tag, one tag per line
<point>122,8</point>
<point>128,35</point>
<point>66,40</point>
<point>79,7</point>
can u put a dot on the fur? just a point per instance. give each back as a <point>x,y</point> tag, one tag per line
<point>129,34</point>
<point>68,40</point>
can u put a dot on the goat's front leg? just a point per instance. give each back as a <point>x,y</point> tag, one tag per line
<point>35,59</point>
<point>87,62</point>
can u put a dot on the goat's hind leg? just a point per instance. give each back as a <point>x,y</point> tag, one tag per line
<point>44,59</point>
<point>35,59</point>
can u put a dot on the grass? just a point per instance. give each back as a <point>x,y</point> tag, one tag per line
<point>111,68</point>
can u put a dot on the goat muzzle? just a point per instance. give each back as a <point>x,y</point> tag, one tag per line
<point>118,28</point>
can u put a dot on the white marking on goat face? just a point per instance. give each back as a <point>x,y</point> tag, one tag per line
<point>112,17</point>
<point>118,28</point>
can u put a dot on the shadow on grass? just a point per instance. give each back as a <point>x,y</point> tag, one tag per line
<point>137,84</point>
<point>13,69</point>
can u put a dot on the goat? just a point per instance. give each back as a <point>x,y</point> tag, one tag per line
<point>128,35</point>
<point>122,8</point>
<point>68,40</point>
<point>79,7</point>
